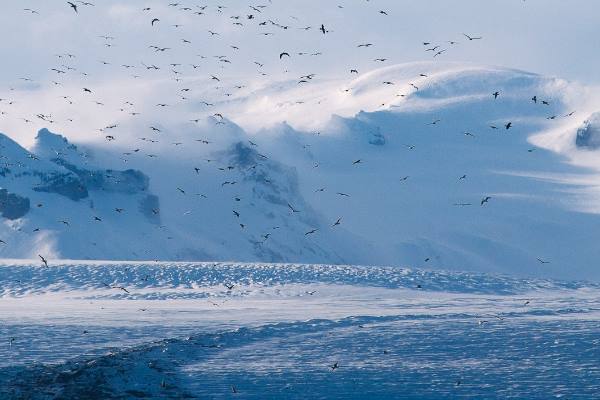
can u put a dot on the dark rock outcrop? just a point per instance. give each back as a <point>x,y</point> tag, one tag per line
<point>588,135</point>
<point>13,206</point>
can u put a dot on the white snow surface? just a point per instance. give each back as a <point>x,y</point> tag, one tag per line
<point>188,330</point>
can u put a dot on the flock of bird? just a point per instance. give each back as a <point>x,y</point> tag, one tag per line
<point>68,71</point>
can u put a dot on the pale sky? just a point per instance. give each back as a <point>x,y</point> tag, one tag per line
<point>550,37</point>
<point>553,37</point>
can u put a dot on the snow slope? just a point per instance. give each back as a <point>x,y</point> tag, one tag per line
<point>223,188</point>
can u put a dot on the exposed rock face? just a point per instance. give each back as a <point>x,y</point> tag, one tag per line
<point>377,139</point>
<point>66,185</point>
<point>56,166</point>
<point>13,206</point>
<point>272,187</point>
<point>588,135</point>
<point>128,181</point>
<point>272,181</point>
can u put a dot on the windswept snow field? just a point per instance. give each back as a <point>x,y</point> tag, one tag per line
<point>174,330</point>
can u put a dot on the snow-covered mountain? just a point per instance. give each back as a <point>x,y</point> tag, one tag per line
<point>390,168</point>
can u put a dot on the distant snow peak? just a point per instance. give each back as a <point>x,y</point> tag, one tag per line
<point>588,135</point>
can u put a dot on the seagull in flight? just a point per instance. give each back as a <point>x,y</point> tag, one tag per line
<point>472,37</point>
<point>43,260</point>
<point>116,287</point>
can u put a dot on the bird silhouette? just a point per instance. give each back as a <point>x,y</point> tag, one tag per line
<point>44,261</point>
<point>472,37</point>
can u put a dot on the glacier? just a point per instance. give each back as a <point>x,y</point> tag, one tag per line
<point>220,330</point>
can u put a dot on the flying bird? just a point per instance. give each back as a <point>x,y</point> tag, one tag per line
<point>472,37</point>
<point>43,260</point>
